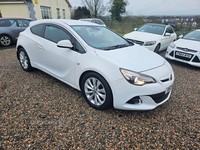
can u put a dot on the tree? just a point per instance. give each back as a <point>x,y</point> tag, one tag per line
<point>81,12</point>
<point>198,21</point>
<point>118,7</point>
<point>95,7</point>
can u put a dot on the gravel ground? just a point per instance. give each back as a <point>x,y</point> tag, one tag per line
<point>40,112</point>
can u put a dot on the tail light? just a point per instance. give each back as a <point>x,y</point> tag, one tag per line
<point>18,35</point>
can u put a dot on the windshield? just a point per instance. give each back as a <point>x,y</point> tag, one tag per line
<point>101,37</point>
<point>151,28</point>
<point>194,35</point>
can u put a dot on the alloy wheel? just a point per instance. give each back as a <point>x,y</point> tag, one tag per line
<point>5,41</point>
<point>95,91</point>
<point>23,59</point>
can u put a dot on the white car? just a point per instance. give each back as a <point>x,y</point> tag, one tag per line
<point>186,49</point>
<point>94,20</point>
<point>155,37</point>
<point>108,69</point>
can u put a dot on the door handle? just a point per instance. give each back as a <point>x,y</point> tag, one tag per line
<point>41,47</point>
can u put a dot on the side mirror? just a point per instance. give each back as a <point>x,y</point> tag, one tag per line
<point>135,29</point>
<point>180,36</point>
<point>65,44</point>
<point>167,34</point>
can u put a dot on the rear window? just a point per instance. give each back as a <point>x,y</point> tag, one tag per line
<point>6,23</point>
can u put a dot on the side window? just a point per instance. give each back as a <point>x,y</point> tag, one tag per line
<point>55,34</point>
<point>169,30</point>
<point>93,21</point>
<point>101,22</point>
<point>37,30</point>
<point>23,23</point>
<point>78,47</point>
<point>98,22</point>
<point>6,23</point>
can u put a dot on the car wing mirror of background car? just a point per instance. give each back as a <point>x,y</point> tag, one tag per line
<point>167,34</point>
<point>65,44</point>
<point>135,29</point>
<point>181,36</point>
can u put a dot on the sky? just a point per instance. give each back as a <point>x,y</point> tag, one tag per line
<point>156,7</point>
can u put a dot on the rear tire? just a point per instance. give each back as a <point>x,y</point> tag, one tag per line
<point>5,40</point>
<point>24,60</point>
<point>96,91</point>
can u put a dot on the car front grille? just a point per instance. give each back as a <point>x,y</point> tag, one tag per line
<point>159,97</point>
<point>187,49</point>
<point>137,42</point>
<point>196,59</point>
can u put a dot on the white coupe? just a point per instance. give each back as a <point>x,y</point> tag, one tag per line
<point>186,49</point>
<point>108,69</point>
<point>155,37</point>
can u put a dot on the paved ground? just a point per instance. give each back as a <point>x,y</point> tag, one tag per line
<point>39,112</point>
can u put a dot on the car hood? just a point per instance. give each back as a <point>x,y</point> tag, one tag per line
<point>135,58</point>
<point>142,36</point>
<point>190,44</point>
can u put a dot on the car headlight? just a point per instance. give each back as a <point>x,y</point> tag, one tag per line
<point>150,43</point>
<point>137,78</point>
<point>172,45</point>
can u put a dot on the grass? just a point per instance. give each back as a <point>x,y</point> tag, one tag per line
<point>128,24</point>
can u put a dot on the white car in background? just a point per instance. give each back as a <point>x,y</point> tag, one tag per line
<point>108,69</point>
<point>155,37</point>
<point>94,20</point>
<point>186,49</point>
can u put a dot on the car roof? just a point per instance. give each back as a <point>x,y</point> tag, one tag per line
<point>69,22</point>
<point>90,19</point>
<point>157,24</point>
<point>14,18</point>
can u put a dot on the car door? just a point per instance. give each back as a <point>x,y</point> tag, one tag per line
<point>60,62</point>
<point>169,37</point>
<point>8,27</point>
<point>22,24</point>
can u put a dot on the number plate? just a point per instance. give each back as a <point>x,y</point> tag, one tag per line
<point>183,55</point>
<point>168,89</point>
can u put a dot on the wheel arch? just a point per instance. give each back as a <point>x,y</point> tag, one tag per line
<point>91,71</point>
<point>18,47</point>
<point>6,35</point>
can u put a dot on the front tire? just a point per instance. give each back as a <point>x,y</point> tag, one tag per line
<point>24,60</point>
<point>96,91</point>
<point>5,40</point>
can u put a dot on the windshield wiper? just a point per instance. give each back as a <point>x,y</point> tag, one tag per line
<point>117,46</point>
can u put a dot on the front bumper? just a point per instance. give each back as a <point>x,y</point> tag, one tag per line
<point>151,48</point>
<point>150,95</point>
<point>194,59</point>
<point>142,43</point>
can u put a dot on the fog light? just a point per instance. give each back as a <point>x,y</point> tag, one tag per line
<point>135,100</point>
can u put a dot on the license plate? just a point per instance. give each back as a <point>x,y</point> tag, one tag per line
<point>183,55</point>
<point>168,89</point>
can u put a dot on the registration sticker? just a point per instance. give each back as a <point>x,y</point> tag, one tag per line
<point>168,89</point>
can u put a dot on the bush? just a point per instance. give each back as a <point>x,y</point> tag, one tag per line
<point>125,26</point>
